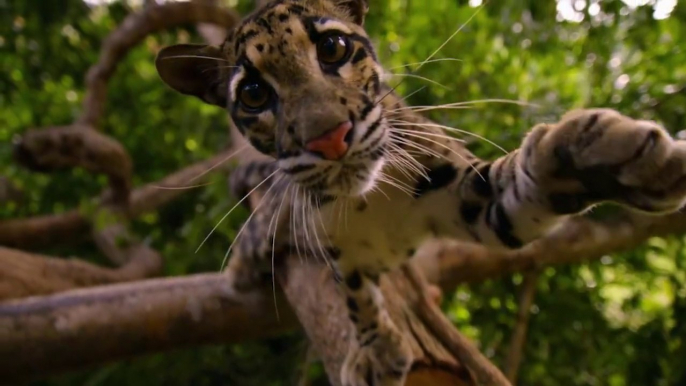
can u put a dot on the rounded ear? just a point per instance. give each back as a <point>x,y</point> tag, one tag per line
<point>357,9</point>
<point>193,69</point>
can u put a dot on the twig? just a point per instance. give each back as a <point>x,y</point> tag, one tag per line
<point>484,372</point>
<point>518,340</point>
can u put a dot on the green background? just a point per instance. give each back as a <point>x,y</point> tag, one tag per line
<point>617,321</point>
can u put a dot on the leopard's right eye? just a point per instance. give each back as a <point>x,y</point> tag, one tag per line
<point>254,95</point>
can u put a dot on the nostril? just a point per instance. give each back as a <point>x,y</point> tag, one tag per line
<point>333,144</point>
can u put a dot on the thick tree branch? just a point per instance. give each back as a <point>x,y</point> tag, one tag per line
<point>518,339</point>
<point>450,263</point>
<point>78,328</point>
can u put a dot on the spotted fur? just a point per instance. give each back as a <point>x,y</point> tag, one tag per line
<point>401,181</point>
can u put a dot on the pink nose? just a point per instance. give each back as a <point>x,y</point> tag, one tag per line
<point>331,145</point>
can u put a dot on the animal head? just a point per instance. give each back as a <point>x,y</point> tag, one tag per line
<point>302,83</point>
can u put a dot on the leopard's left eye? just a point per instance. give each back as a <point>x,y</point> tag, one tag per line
<point>333,49</point>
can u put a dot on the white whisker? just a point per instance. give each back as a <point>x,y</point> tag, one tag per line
<point>234,207</point>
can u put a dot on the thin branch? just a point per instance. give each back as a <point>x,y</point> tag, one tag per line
<point>42,231</point>
<point>132,31</point>
<point>56,148</point>
<point>518,340</point>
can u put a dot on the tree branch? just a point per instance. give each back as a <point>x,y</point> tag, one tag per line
<point>42,231</point>
<point>450,263</point>
<point>62,147</point>
<point>518,340</point>
<point>483,371</point>
<point>79,328</point>
<point>24,274</point>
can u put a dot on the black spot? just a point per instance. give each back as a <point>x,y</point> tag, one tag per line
<point>262,22</point>
<point>568,203</point>
<point>361,206</point>
<point>259,47</point>
<point>353,318</point>
<point>591,122</point>
<point>352,304</point>
<point>288,30</point>
<point>334,253</point>
<point>470,212</point>
<point>359,55</point>
<point>500,223</point>
<point>295,9</point>
<point>354,280</point>
<point>283,17</point>
<point>439,177</point>
<point>481,183</point>
<point>410,252</point>
<point>343,100</point>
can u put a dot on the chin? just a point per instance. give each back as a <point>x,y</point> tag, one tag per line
<point>349,184</point>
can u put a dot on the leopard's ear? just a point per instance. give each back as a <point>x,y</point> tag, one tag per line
<point>194,69</point>
<point>356,8</point>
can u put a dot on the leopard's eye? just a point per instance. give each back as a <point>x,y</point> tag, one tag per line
<point>254,95</point>
<point>333,49</point>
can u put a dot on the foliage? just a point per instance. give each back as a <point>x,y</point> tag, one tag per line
<point>619,321</point>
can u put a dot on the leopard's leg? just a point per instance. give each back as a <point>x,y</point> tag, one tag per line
<point>379,354</point>
<point>265,235</point>
<point>590,156</point>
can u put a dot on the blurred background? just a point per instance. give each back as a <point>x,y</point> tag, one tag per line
<point>617,321</point>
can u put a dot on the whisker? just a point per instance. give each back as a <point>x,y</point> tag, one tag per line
<point>451,36</point>
<point>234,207</point>
<point>427,62</point>
<point>451,150</point>
<point>420,77</point>
<point>228,157</point>
<point>182,187</point>
<point>453,129</point>
<point>195,57</point>
<point>466,104</point>
<point>245,223</point>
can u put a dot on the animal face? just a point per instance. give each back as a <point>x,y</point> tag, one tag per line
<point>302,83</point>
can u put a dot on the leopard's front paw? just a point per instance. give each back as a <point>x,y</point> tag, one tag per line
<point>379,357</point>
<point>599,155</point>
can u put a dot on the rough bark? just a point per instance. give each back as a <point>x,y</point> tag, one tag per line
<point>24,274</point>
<point>79,328</point>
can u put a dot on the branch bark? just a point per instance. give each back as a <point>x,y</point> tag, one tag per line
<point>43,231</point>
<point>24,274</point>
<point>79,328</point>
<point>518,340</point>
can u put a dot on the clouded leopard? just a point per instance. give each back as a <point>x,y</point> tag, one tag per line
<point>360,178</point>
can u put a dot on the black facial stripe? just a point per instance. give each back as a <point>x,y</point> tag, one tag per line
<point>371,129</point>
<point>369,106</point>
<point>359,55</point>
<point>299,168</point>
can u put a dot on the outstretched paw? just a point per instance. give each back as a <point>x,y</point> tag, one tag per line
<point>596,155</point>
<point>379,357</point>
